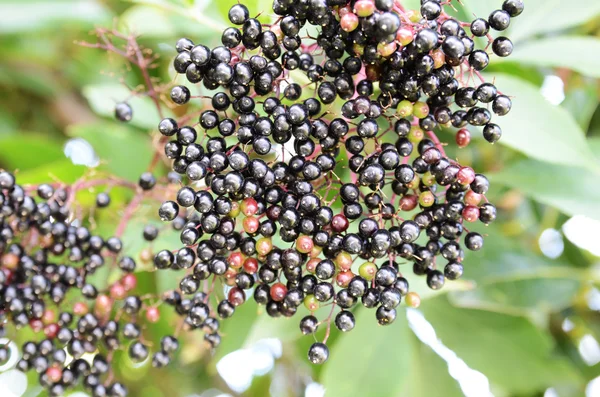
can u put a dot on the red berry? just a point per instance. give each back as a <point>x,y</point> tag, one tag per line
<point>10,261</point>
<point>463,137</point>
<point>49,316</point>
<point>472,198</point>
<point>117,291</point>
<point>36,325</point>
<point>343,260</point>
<point>152,314</point>
<point>409,202</point>
<point>251,265</point>
<point>364,8</point>
<point>339,223</point>
<point>54,374</point>
<point>230,275</point>
<point>236,296</point>
<point>470,213</point>
<point>249,206</point>
<point>278,292</point>
<point>103,305</point>
<point>344,278</point>
<point>349,22</point>
<point>129,282</point>
<point>235,260</point>
<point>51,330</point>
<point>304,244</point>
<point>311,265</point>
<point>251,224</point>
<point>80,308</point>
<point>404,36</point>
<point>465,176</point>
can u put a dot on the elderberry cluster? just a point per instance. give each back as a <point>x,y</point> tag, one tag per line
<point>47,266</point>
<point>291,113</point>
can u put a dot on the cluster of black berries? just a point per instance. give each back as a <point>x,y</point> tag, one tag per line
<point>262,163</point>
<point>46,261</point>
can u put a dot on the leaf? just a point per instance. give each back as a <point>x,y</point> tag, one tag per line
<point>595,145</point>
<point>544,52</point>
<point>152,22</point>
<point>424,363</point>
<point>582,103</point>
<point>508,276</point>
<point>103,98</point>
<point>573,190</point>
<point>29,150</point>
<point>235,329</point>
<point>539,129</point>
<point>375,350</point>
<point>127,152</point>
<point>207,17</point>
<point>540,294</point>
<point>509,350</point>
<point>62,170</point>
<point>23,16</point>
<point>539,16</point>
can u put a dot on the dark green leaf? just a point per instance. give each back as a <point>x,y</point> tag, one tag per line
<point>542,294</point>
<point>572,190</point>
<point>61,171</point>
<point>375,349</point>
<point>428,374</point>
<point>537,128</point>
<point>582,102</point>
<point>103,98</point>
<point>540,16</point>
<point>126,152</point>
<point>544,52</point>
<point>29,150</point>
<point>22,16</point>
<point>510,351</point>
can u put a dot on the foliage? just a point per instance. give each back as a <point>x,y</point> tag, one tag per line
<point>506,320</point>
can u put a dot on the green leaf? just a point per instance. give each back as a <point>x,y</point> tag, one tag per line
<point>29,150</point>
<point>23,16</point>
<point>511,277</point>
<point>424,363</point>
<point>103,98</point>
<point>207,16</point>
<point>514,354</point>
<point>540,16</point>
<point>375,349</point>
<point>595,145</point>
<point>61,170</point>
<point>152,22</point>
<point>544,52</point>
<point>236,329</point>
<point>127,152</point>
<point>506,258</point>
<point>540,294</point>
<point>539,129</point>
<point>582,103</point>
<point>573,190</point>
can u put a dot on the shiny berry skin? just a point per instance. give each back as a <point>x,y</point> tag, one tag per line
<point>238,14</point>
<point>318,353</point>
<point>180,95</point>
<point>123,112</point>
<point>278,292</point>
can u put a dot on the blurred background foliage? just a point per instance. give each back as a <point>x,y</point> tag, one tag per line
<point>524,322</point>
